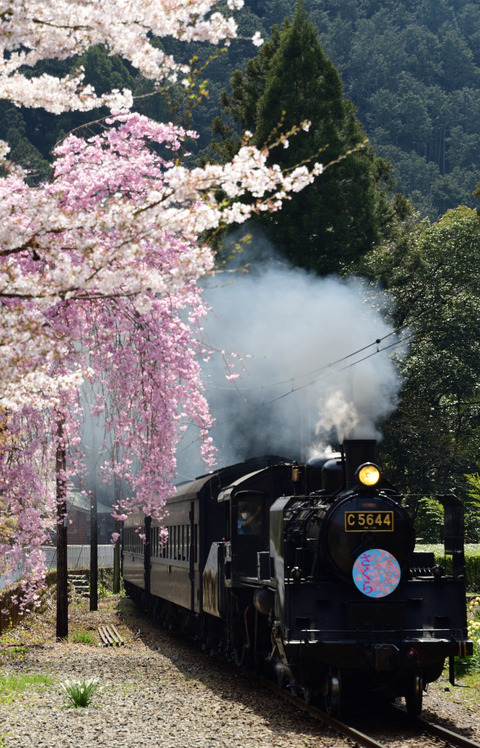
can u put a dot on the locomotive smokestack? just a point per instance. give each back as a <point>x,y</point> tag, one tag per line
<point>357,451</point>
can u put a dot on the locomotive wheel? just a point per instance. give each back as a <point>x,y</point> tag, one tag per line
<point>414,695</point>
<point>307,694</point>
<point>332,694</point>
<point>283,680</point>
<point>239,655</point>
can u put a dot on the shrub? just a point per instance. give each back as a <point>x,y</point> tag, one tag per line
<point>472,562</point>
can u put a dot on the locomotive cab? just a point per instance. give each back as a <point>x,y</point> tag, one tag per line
<point>249,531</point>
<point>247,503</point>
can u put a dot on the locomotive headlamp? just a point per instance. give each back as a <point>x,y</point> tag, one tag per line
<point>368,474</point>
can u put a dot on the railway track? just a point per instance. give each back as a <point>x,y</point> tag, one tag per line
<point>352,734</point>
<point>447,736</point>
<point>390,729</point>
<point>413,730</point>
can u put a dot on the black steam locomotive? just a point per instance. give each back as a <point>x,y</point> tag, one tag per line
<point>309,570</point>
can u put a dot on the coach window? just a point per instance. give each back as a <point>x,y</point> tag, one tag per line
<point>187,543</point>
<point>154,542</point>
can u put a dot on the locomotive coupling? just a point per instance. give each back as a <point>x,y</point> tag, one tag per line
<point>384,657</point>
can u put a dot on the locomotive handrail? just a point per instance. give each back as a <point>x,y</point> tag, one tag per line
<point>353,635</point>
<point>352,632</point>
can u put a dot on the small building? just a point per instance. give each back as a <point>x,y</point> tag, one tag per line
<point>78,513</point>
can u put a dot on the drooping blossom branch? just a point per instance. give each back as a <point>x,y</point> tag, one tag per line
<point>117,220</point>
<point>99,266</point>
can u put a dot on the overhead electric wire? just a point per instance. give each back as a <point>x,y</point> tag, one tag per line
<point>329,366</point>
<point>343,368</point>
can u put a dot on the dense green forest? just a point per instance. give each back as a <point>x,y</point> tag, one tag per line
<point>412,69</point>
<point>341,216</point>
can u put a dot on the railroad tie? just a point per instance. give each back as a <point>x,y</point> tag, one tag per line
<point>109,636</point>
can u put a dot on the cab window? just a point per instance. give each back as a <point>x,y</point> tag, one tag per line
<point>249,515</point>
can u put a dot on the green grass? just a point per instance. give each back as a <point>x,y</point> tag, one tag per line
<point>81,637</point>
<point>11,686</point>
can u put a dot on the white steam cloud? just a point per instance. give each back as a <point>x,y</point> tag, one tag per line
<point>310,364</point>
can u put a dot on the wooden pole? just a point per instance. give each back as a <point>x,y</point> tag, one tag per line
<point>116,560</point>
<point>62,564</point>
<point>93,553</point>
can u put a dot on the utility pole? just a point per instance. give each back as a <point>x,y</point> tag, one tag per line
<point>93,552</point>
<point>62,565</point>
<point>116,559</point>
<point>116,548</point>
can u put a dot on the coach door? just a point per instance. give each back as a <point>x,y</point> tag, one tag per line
<point>249,532</point>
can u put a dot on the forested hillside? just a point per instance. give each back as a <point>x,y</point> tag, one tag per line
<point>412,69</point>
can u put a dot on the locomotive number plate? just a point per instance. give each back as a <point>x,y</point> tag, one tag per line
<point>362,521</point>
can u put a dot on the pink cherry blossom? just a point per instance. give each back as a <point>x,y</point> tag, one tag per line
<point>99,267</point>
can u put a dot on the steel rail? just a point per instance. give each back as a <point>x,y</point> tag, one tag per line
<point>451,738</point>
<point>350,733</point>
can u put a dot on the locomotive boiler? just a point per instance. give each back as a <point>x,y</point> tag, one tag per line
<point>307,570</point>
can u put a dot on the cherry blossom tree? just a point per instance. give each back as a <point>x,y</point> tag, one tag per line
<point>99,266</point>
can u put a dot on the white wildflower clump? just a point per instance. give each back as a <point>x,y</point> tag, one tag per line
<point>80,693</point>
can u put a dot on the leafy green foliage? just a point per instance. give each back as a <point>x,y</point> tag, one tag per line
<point>430,442</point>
<point>343,214</point>
<point>429,520</point>
<point>472,505</point>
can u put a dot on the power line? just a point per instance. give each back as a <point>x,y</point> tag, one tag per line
<point>326,367</point>
<point>329,369</point>
<point>332,368</point>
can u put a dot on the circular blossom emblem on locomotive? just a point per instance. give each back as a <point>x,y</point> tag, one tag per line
<point>376,573</point>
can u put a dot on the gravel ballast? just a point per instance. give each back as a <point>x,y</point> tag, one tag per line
<point>155,691</point>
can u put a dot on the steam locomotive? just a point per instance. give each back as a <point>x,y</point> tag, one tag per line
<point>308,570</point>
